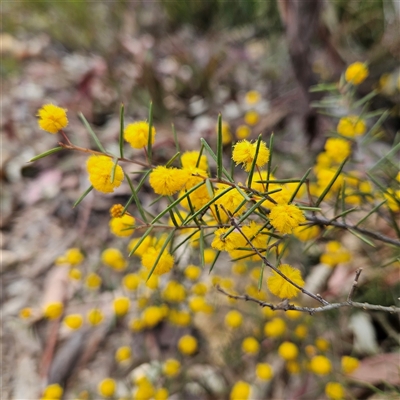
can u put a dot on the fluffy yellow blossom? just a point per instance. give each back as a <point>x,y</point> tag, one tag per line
<point>356,73</point>
<point>337,149</point>
<point>301,331</point>
<point>131,281</point>
<point>122,226</point>
<point>100,169</point>
<point>190,159</point>
<point>349,364</point>
<point>351,126</point>
<point>293,367</point>
<point>281,287</point>
<point>288,351</point>
<point>198,198</point>
<point>209,256</point>
<point>335,254</point>
<point>252,117</point>
<point>116,211</point>
<point>264,371</point>
<point>121,306</point>
<point>106,387</point>
<point>244,153</point>
<point>52,118</point>
<point>53,310</point>
<point>252,97</point>
<point>148,241</point>
<point>171,367</point>
<point>174,292</point>
<point>198,304</point>
<point>286,217</point>
<point>240,391</point>
<point>233,319</point>
<point>161,394</point>
<point>136,325</point>
<point>200,289</point>
<point>320,365</point>
<point>114,259</point>
<point>192,272</point>
<point>334,391</point>
<point>230,200</point>
<point>75,274</point>
<point>93,281</point>
<point>137,134</point>
<point>322,344</point>
<point>74,256</point>
<point>392,199</point>
<point>167,181</point>
<point>73,321</point>
<point>152,315</point>
<point>95,316</point>
<point>145,389</point>
<point>275,328</point>
<point>180,318</point>
<point>52,392</point>
<point>164,264</point>
<point>123,354</point>
<point>243,132</point>
<point>187,345</point>
<point>228,243</point>
<point>250,345</point>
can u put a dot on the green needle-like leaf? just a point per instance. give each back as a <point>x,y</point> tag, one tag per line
<point>46,153</point>
<point>134,197</point>
<point>254,162</point>
<point>85,193</point>
<point>370,213</point>
<point>214,261</point>
<point>362,237</point>
<point>149,143</point>
<point>172,159</point>
<point>214,157</point>
<point>271,146</point>
<point>140,241</point>
<point>302,180</point>
<point>219,148</point>
<point>91,131</point>
<point>113,170</point>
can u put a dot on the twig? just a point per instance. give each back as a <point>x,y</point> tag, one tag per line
<point>266,262</point>
<point>354,286</point>
<point>326,222</point>
<point>285,306</point>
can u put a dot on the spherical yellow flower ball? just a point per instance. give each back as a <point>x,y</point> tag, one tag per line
<point>252,97</point>
<point>351,126</point>
<point>187,345</point>
<point>136,325</point>
<point>209,256</point>
<point>293,367</point>
<point>252,117</point>
<point>301,331</point>
<point>164,264</point>
<point>250,345</point>
<point>286,217</point>
<point>281,287</point>
<point>73,321</point>
<point>200,289</point>
<point>161,394</point>
<point>106,387</point>
<point>74,256</point>
<point>244,152</point>
<point>52,392</point>
<point>264,371</point>
<point>349,364</point>
<point>322,344</point>
<point>95,316</point>
<point>123,354</point>
<point>53,310</point>
<point>233,319</point>
<point>116,211</point>
<point>152,315</point>
<point>137,134</point>
<point>75,274</point>
<point>93,281</point>
<point>334,391</point>
<point>337,149</point>
<point>356,73</point>
<point>114,259</point>
<point>131,281</point>
<point>52,118</point>
<point>240,391</point>
<point>25,313</point>
<point>192,272</point>
<point>288,351</point>
<point>122,226</point>
<point>145,389</point>
<point>167,181</point>
<point>171,367</point>
<point>191,159</point>
<point>275,328</point>
<point>121,306</point>
<point>174,292</point>
<point>147,242</point>
<point>100,169</point>
<point>243,132</point>
<point>180,318</point>
<point>320,365</point>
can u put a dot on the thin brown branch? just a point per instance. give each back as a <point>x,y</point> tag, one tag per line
<point>285,306</point>
<point>328,222</point>
<point>354,286</point>
<point>266,262</point>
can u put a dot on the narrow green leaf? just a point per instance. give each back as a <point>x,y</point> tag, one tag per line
<point>365,99</point>
<point>163,247</point>
<point>214,261</point>
<point>370,213</point>
<point>302,180</point>
<point>45,154</point>
<point>260,278</point>
<point>91,131</point>
<point>134,197</point>
<point>210,188</point>
<point>113,170</point>
<point>147,233</point>
<point>214,157</point>
<point>85,193</point>
<point>362,237</point>
<point>173,219</point>
<point>391,153</point>
<point>186,239</point>
<point>219,147</point>
<point>121,130</point>
<point>172,159</point>
<point>285,245</point>
<point>271,146</point>
<point>254,162</point>
<point>199,157</point>
<point>323,87</point>
<point>308,208</point>
<point>149,143</point>
<point>202,245</point>
<point>330,184</point>
<point>143,180</point>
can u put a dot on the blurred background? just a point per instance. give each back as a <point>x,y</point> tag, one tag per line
<point>193,60</point>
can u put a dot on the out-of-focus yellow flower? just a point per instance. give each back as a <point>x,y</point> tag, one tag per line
<point>334,391</point>
<point>121,306</point>
<point>122,226</point>
<point>95,316</point>
<point>252,97</point>
<point>52,392</point>
<point>73,321</point>
<point>264,371</point>
<point>252,117</point>
<point>187,345</point>
<point>106,387</point>
<point>356,73</point>
<point>53,310</point>
<point>240,391</point>
<point>351,126</point>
